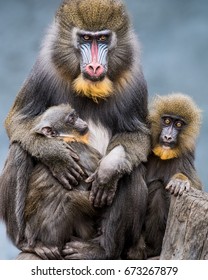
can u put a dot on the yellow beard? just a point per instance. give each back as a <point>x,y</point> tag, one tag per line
<point>94,90</point>
<point>165,153</point>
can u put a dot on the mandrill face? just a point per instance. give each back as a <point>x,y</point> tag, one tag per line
<point>171,127</point>
<point>92,46</point>
<point>93,49</point>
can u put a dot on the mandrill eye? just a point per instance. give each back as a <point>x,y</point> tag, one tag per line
<point>86,37</point>
<point>178,124</point>
<point>71,118</point>
<point>166,121</point>
<point>103,38</point>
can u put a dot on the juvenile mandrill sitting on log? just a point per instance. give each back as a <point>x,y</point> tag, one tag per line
<point>90,59</point>
<point>175,122</point>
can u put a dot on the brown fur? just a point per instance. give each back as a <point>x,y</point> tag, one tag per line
<point>93,15</point>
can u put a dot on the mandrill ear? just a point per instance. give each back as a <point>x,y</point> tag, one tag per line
<point>45,130</point>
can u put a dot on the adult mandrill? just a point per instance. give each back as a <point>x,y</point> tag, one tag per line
<point>89,59</point>
<point>175,121</point>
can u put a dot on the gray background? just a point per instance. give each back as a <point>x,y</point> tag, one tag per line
<point>174,39</point>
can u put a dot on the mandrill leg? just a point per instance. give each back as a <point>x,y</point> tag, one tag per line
<point>121,223</point>
<point>27,256</point>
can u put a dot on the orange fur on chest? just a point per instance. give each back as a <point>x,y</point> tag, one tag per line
<point>76,138</point>
<point>166,154</point>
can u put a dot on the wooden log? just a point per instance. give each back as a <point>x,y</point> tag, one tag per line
<point>186,236</point>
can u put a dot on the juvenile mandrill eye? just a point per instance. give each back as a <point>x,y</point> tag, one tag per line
<point>166,121</point>
<point>178,124</point>
<point>71,118</point>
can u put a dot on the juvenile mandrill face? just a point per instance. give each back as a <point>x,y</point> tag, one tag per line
<point>61,121</point>
<point>171,128</point>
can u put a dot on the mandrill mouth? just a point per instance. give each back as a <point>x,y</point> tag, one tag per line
<point>94,77</point>
<point>168,146</point>
<point>94,72</point>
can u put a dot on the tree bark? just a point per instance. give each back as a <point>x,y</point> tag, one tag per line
<point>186,236</point>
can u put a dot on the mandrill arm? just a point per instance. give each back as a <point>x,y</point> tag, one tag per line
<point>124,153</point>
<point>58,156</point>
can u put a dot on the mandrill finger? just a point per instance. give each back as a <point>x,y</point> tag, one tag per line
<point>91,198</point>
<point>72,254</point>
<point>76,175</point>
<point>187,186</point>
<point>93,192</point>
<point>68,251</point>
<point>73,257</point>
<point>104,199</point>
<point>91,178</point>
<point>64,182</point>
<point>74,156</point>
<point>72,153</point>
<point>71,179</point>
<point>42,253</point>
<point>56,253</point>
<point>110,198</point>
<point>182,189</point>
<point>52,253</point>
<point>172,187</point>
<point>71,250</point>
<point>177,189</point>
<point>78,169</point>
<point>169,185</point>
<point>98,198</point>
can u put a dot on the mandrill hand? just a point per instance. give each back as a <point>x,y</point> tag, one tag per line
<point>178,184</point>
<point>66,169</point>
<point>103,190</point>
<point>105,178</point>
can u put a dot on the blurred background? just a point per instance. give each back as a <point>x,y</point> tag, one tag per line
<point>174,41</point>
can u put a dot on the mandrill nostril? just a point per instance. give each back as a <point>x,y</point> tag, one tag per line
<point>167,137</point>
<point>94,69</point>
<point>85,130</point>
<point>91,68</point>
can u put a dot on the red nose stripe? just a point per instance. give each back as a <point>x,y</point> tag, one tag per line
<point>94,68</point>
<point>94,51</point>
